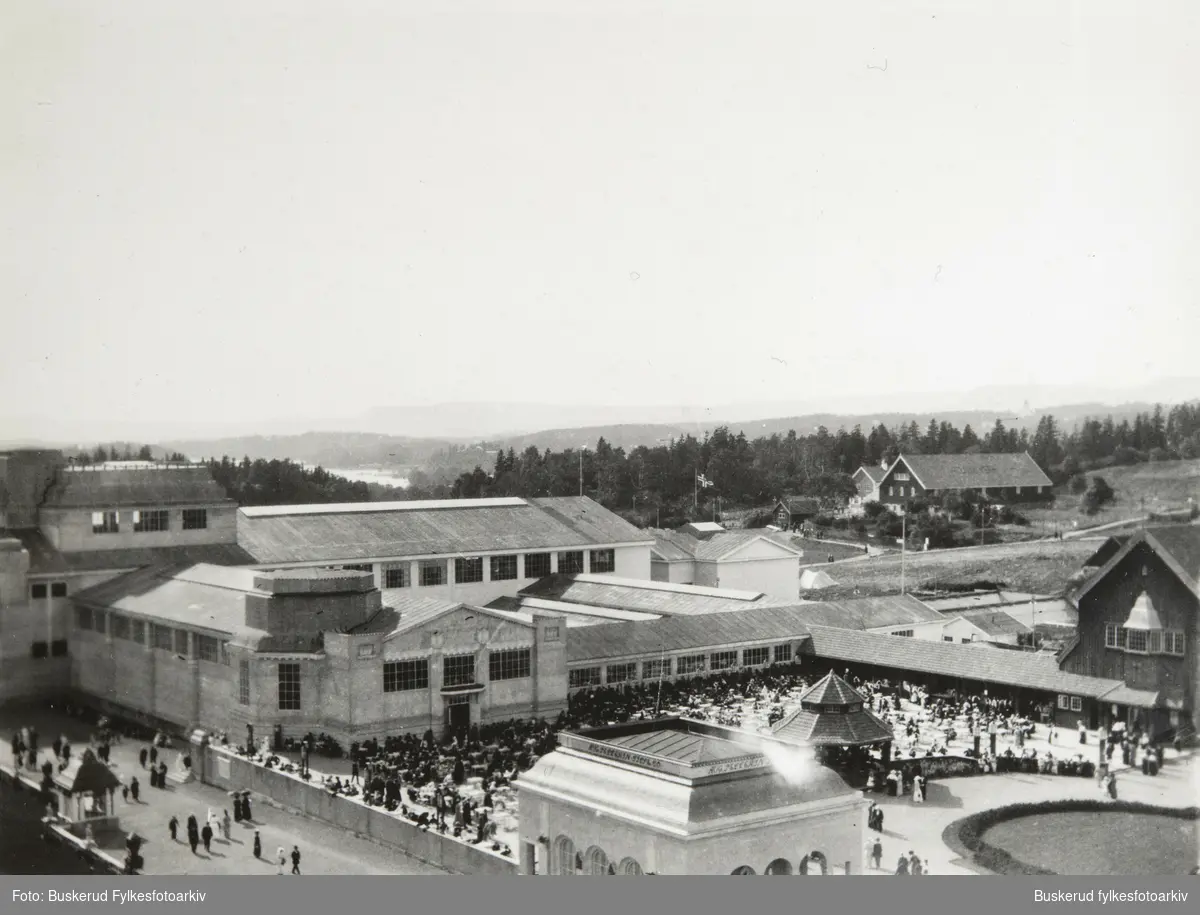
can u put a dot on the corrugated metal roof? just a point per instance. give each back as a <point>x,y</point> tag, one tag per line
<point>978,663</point>
<point>350,508</point>
<point>660,598</point>
<point>679,745</point>
<point>137,486</point>
<point>974,471</point>
<point>541,524</point>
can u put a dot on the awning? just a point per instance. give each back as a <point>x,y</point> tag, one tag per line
<point>466,689</point>
<point>1140,698</point>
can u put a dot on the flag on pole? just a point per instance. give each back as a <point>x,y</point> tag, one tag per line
<point>703,481</point>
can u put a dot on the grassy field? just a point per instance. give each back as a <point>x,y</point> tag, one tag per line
<point>1140,489</point>
<point>1044,567</point>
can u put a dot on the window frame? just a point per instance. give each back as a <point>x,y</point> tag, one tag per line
<point>468,570</point>
<point>106,522</point>
<point>660,670</point>
<point>576,674</point>
<point>160,521</point>
<point>1076,704</point>
<point>717,660</point>
<point>243,681</point>
<point>459,664</point>
<point>628,668</point>
<point>426,566</point>
<point>763,651</point>
<point>538,558</point>
<point>510,664</point>
<point>500,566</point>
<point>571,563</point>
<point>289,687</point>
<point>39,590</point>
<point>401,569</point>
<point>691,664</point>
<point>782,654</point>
<point>406,675</point>
<point>1137,635</point>
<point>602,562</point>
<point>194,519</point>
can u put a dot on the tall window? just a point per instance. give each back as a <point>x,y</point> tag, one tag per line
<point>83,617</point>
<point>58,589</point>
<point>433,572</point>
<point>38,591</point>
<point>106,523</point>
<point>783,654</point>
<point>162,637</point>
<point>1173,642</point>
<point>137,631</point>
<point>723,660</point>
<point>405,676</point>
<point>1136,640</point>
<point>195,519</point>
<point>504,568</point>
<point>243,682</point>
<point>604,561</point>
<point>289,687</point>
<point>537,565</point>
<point>100,618</point>
<point>458,670</point>
<point>120,628</point>
<point>570,563</point>
<point>582,677</point>
<point>181,643</point>
<point>1076,704</point>
<point>753,657</point>
<point>1110,635</point>
<point>511,664</point>
<point>468,570</point>
<point>207,649</point>
<point>396,576</point>
<point>621,673</point>
<point>150,521</point>
<point>656,670</point>
<point>691,664</point>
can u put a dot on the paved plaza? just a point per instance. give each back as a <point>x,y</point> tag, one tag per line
<point>324,849</point>
<point>328,850</point>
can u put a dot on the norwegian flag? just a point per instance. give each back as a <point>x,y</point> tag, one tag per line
<point>704,481</point>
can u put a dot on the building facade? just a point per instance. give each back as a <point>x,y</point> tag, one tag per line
<point>303,650</point>
<point>929,477</point>
<point>745,560</point>
<point>1138,624</point>
<point>684,797</point>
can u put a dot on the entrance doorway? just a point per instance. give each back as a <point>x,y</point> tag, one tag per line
<point>458,715</point>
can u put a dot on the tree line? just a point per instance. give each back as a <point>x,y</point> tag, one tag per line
<point>666,484</point>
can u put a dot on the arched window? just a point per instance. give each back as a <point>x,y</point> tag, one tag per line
<point>629,868</point>
<point>815,864</point>
<point>595,862</point>
<point>744,871</point>
<point>562,861</point>
<point>780,867</point>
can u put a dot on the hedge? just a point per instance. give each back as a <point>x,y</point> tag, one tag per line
<point>966,836</point>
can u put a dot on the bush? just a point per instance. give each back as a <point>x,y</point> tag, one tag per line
<point>1099,495</point>
<point>874,509</point>
<point>1078,484</point>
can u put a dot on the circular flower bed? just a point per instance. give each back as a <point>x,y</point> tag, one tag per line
<point>1093,837</point>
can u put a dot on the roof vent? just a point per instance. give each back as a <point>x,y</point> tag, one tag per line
<point>1143,616</point>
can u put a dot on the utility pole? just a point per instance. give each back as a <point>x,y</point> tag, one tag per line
<point>903,546</point>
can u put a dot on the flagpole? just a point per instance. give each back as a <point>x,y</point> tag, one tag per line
<point>696,490</point>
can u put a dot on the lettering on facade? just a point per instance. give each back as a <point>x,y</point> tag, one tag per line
<point>627,756</point>
<point>735,765</point>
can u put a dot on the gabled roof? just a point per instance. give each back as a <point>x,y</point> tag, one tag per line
<point>404,611</point>
<point>444,528</point>
<point>676,546</point>
<point>866,613</point>
<point>992,621</point>
<point>832,690</point>
<point>979,663</point>
<point>802,505</point>
<point>134,484</point>
<point>973,471</point>
<point>87,775</point>
<point>1106,552</point>
<point>1178,546</point>
<point>874,471</point>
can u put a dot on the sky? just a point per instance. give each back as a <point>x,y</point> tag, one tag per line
<point>232,212</point>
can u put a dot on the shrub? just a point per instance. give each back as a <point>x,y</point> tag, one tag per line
<point>1078,484</point>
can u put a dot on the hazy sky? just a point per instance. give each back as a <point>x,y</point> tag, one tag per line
<point>224,210</point>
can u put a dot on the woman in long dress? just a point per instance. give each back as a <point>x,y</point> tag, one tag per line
<point>280,860</point>
<point>918,794</point>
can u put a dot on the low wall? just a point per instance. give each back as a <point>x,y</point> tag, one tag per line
<point>227,771</point>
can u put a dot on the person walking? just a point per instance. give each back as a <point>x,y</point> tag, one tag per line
<point>257,844</point>
<point>877,854</point>
<point>280,861</point>
<point>354,773</point>
<point>153,756</point>
<point>914,865</point>
<point>173,826</point>
<point>225,826</point>
<point>207,835</point>
<point>193,831</point>
<point>296,860</point>
<point>142,756</point>
<point>902,867</point>
<point>134,788</point>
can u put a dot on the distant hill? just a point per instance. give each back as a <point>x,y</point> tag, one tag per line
<point>327,449</point>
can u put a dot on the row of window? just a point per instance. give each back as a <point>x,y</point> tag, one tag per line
<point>147,522</point>
<point>1142,641</point>
<point>686,665</point>
<point>1070,703</point>
<point>55,649</point>
<point>469,570</point>
<point>163,638</point>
